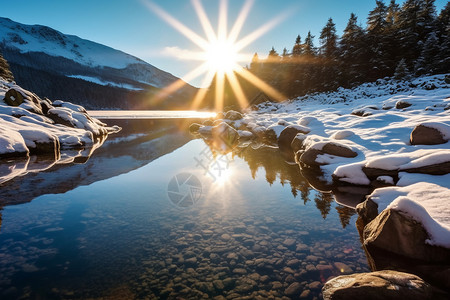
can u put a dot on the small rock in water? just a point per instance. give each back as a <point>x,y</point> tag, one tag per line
<point>293,289</point>
<point>289,242</point>
<point>343,268</point>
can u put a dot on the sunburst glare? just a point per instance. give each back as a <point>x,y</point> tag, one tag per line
<point>220,54</point>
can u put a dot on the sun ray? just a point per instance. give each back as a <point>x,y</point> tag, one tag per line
<point>237,27</point>
<point>204,20</point>
<point>250,38</point>
<point>178,84</point>
<point>237,89</point>
<point>272,92</point>
<point>221,53</point>
<point>201,94</point>
<point>220,89</point>
<point>198,40</point>
<point>222,26</point>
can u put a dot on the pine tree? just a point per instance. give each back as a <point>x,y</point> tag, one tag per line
<point>391,33</point>
<point>328,51</point>
<point>376,21</point>
<point>352,53</point>
<point>328,39</point>
<point>443,28</point>
<point>255,65</point>
<point>5,71</point>
<point>308,48</point>
<point>392,14</point>
<point>408,31</point>
<point>297,49</point>
<point>401,72</point>
<point>376,27</point>
<point>426,63</point>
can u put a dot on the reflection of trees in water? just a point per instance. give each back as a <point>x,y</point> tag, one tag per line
<point>323,203</point>
<point>345,214</point>
<point>272,162</point>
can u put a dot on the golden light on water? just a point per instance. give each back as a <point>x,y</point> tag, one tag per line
<point>220,54</point>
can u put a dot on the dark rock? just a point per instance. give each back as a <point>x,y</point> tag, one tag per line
<point>297,142</point>
<point>309,156</point>
<point>447,79</point>
<point>425,135</point>
<point>377,285</point>
<point>402,104</point>
<point>436,169</point>
<point>367,210</point>
<point>338,150</point>
<point>409,235</point>
<point>287,136</point>
<point>269,136</point>
<point>294,289</point>
<point>13,97</point>
<point>46,106</point>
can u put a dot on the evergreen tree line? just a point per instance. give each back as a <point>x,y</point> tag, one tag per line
<point>411,39</point>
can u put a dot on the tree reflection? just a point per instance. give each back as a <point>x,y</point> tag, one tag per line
<point>275,168</point>
<point>345,214</point>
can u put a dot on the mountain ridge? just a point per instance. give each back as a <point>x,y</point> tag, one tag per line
<point>68,60</point>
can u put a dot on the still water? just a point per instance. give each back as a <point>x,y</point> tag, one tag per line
<point>152,214</point>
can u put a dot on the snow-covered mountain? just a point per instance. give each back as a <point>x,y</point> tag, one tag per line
<point>41,53</point>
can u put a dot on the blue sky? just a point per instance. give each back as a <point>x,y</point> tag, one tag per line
<point>129,26</point>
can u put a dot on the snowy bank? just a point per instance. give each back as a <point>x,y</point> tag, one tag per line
<point>30,125</point>
<point>386,137</point>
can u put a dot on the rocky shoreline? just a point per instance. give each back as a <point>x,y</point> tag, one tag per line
<point>31,125</point>
<point>406,231</point>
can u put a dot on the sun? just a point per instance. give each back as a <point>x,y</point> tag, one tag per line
<point>220,54</point>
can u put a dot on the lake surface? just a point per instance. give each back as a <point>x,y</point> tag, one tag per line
<point>154,213</point>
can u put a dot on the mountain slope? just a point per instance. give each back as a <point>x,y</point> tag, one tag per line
<point>46,61</point>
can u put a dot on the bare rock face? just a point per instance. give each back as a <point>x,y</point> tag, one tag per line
<point>378,285</point>
<point>425,135</point>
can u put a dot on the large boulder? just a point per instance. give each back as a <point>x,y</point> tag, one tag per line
<point>430,134</point>
<point>401,104</point>
<point>416,218</point>
<point>287,136</point>
<point>13,97</point>
<point>320,147</point>
<point>380,285</point>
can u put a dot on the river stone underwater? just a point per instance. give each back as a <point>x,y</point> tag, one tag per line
<point>254,228</point>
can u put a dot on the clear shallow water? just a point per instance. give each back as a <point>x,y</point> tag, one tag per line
<point>121,236</point>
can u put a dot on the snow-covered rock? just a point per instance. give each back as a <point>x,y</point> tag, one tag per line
<point>417,218</point>
<point>430,133</point>
<point>28,128</point>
